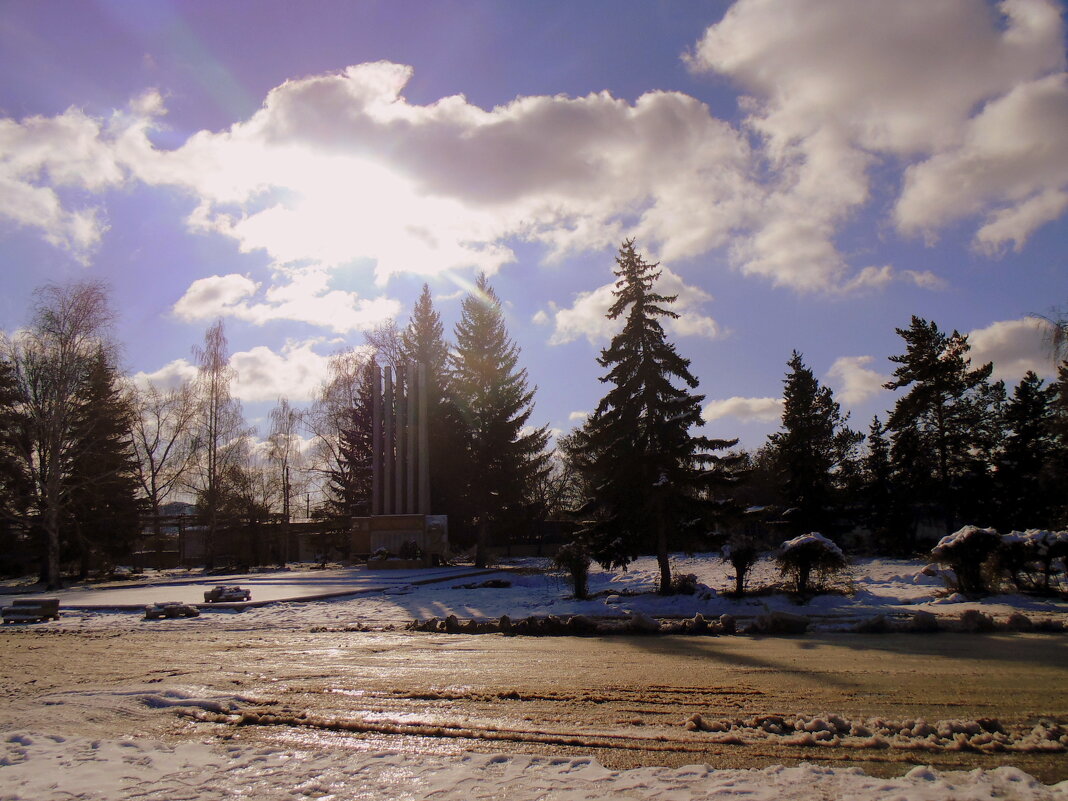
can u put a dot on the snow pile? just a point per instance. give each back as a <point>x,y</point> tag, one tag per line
<point>1038,540</point>
<point>986,735</point>
<point>44,768</point>
<point>813,540</point>
<point>966,539</point>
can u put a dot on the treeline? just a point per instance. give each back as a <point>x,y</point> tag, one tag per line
<point>957,448</point>
<point>84,453</point>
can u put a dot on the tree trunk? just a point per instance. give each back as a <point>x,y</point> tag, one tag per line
<point>662,551</point>
<point>483,537</point>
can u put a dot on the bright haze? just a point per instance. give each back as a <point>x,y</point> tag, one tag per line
<point>809,175</point>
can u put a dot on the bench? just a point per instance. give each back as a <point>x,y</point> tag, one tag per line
<point>31,610</point>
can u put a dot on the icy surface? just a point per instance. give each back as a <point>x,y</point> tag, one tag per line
<point>375,599</point>
<point>36,767</point>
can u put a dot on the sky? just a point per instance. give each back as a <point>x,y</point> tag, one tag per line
<point>809,175</point>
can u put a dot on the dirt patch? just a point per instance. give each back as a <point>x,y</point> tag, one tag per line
<point>625,700</point>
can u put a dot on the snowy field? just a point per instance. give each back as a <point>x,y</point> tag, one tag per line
<point>36,768</point>
<point>376,599</point>
<point>41,765</point>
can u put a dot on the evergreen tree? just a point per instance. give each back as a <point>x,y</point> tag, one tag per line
<point>943,423</point>
<point>103,507</point>
<point>1058,460</point>
<point>877,493</point>
<point>813,446</point>
<point>52,360</point>
<point>1022,476</point>
<point>14,477</point>
<point>423,342</point>
<point>350,478</point>
<point>650,476</point>
<point>500,459</point>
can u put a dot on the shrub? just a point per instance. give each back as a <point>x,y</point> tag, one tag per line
<point>969,551</point>
<point>741,552</point>
<point>684,584</point>
<point>1029,557</point>
<point>410,550</point>
<point>574,558</point>
<point>809,555</point>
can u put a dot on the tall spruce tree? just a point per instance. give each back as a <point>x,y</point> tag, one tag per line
<point>1024,477</point>
<point>423,342</point>
<point>813,445</point>
<point>501,458</point>
<point>942,424</point>
<point>651,477</point>
<point>52,360</point>
<point>103,507</point>
<point>1058,463</point>
<point>351,477</point>
<point>878,493</point>
<point>14,476</point>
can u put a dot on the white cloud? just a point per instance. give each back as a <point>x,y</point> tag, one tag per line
<point>341,167</point>
<point>764,410</point>
<point>260,374</point>
<point>1014,346</point>
<point>41,158</point>
<point>1012,167</point>
<point>306,297</point>
<point>835,87</point>
<point>170,376</point>
<point>854,382</point>
<point>578,417</point>
<point>587,315</point>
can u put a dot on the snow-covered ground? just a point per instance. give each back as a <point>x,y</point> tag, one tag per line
<point>359,597</point>
<point>43,767</point>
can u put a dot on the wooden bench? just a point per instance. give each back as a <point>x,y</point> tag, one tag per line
<point>31,610</point>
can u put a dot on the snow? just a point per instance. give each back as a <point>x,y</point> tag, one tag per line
<point>42,766</point>
<point>46,768</point>
<point>815,538</point>
<point>356,597</point>
<point>961,538</point>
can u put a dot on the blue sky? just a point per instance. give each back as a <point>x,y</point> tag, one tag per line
<point>809,174</point>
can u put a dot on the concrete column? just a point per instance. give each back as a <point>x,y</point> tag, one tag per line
<point>410,467</point>
<point>424,445</point>
<point>388,507</point>
<point>400,468</point>
<point>376,439</point>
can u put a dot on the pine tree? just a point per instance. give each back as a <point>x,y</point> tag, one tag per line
<point>943,421</point>
<point>1058,460</point>
<point>14,477</point>
<point>102,513</point>
<point>423,342</point>
<point>1023,470</point>
<point>500,458</point>
<point>650,476</point>
<point>350,480</point>
<point>878,489</point>
<point>813,445</point>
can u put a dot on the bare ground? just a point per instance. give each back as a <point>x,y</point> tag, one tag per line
<point>625,700</point>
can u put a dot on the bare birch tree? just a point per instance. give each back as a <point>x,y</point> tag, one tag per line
<point>283,456</point>
<point>52,361</point>
<point>164,441</point>
<point>219,430</point>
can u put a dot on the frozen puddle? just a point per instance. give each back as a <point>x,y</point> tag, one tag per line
<point>37,767</point>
